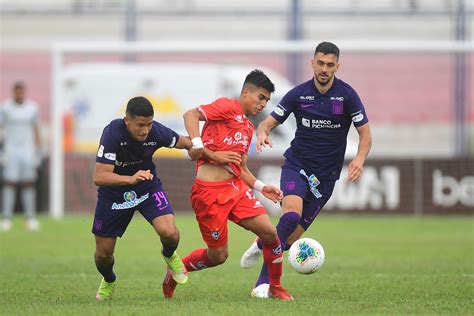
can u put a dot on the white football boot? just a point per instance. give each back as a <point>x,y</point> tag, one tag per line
<point>251,256</point>
<point>6,225</point>
<point>261,291</point>
<point>32,224</point>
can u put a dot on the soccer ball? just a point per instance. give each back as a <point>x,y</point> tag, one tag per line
<point>306,255</point>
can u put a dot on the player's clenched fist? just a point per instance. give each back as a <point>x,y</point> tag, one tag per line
<point>141,175</point>
<point>194,153</point>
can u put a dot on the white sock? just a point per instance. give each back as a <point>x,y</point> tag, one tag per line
<point>28,197</point>
<point>9,193</point>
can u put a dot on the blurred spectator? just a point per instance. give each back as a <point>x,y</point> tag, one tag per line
<point>21,143</point>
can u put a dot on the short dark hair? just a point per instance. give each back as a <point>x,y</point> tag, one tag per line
<point>327,48</point>
<point>139,106</point>
<point>18,85</point>
<point>257,78</point>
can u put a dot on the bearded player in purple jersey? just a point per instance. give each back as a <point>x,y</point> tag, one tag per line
<point>324,108</point>
<point>127,180</point>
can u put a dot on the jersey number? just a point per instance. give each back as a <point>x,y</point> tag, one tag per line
<point>161,200</point>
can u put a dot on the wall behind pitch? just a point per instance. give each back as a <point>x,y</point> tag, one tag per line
<point>402,186</point>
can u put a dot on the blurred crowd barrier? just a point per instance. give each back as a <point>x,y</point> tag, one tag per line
<point>388,186</point>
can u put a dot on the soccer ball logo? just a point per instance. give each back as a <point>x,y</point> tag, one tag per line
<point>306,255</point>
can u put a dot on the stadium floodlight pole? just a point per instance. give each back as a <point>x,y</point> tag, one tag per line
<point>56,169</point>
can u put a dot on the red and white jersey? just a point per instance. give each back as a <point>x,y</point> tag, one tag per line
<point>226,129</point>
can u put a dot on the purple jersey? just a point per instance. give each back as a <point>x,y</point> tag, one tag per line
<point>128,156</point>
<point>323,121</point>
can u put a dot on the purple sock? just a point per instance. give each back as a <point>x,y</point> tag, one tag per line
<point>286,226</point>
<point>107,271</point>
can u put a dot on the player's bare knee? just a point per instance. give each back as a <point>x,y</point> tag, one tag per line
<point>218,256</point>
<point>103,255</point>
<point>268,235</point>
<point>169,236</point>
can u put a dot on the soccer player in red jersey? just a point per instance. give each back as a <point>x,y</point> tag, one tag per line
<point>223,192</point>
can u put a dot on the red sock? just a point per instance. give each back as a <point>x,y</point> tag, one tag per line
<point>197,260</point>
<point>273,258</point>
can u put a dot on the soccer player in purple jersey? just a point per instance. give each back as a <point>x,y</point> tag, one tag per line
<point>324,108</point>
<point>127,180</point>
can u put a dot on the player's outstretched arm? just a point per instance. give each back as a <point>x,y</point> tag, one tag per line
<point>104,175</point>
<point>271,192</point>
<point>356,166</point>
<point>184,142</point>
<point>263,132</point>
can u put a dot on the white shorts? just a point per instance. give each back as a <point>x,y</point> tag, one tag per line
<point>20,168</point>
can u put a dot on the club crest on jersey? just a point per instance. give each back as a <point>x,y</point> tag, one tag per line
<point>215,234</point>
<point>337,107</point>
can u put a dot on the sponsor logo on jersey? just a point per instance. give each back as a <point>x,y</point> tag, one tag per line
<point>131,200</point>
<point>110,156</point>
<point>337,98</point>
<point>237,139</point>
<point>279,110</point>
<point>306,122</point>
<point>150,144</point>
<point>126,163</point>
<point>100,152</point>
<point>307,97</point>
<point>357,118</point>
<point>319,123</point>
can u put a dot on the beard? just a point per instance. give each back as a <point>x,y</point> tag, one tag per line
<point>323,83</point>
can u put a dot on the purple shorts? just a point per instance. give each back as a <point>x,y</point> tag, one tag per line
<point>296,182</point>
<point>113,216</point>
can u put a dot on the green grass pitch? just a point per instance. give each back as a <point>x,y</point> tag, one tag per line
<point>374,265</point>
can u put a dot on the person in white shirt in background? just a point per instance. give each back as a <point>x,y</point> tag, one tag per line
<point>19,125</point>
